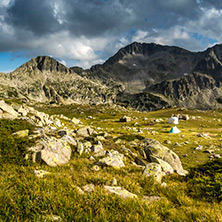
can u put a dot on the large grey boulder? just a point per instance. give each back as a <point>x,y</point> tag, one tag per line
<point>8,109</point>
<point>154,149</point>
<point>52,151</point>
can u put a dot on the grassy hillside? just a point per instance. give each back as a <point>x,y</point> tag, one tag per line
<point>197,197</point>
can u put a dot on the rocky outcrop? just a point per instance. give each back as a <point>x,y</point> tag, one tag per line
<point>156,152</point>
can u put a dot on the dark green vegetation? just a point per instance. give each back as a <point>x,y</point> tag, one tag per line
<point>24,197</point>
<point>206,181</point>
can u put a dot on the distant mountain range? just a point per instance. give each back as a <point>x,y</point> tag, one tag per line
<point>144,76</point>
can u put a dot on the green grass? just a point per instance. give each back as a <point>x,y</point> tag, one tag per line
<point>24,197</point>
<point>13,148</point>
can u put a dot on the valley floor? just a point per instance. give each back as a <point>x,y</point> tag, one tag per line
<point>75,191</point>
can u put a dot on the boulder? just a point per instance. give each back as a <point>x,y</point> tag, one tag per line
<point>113,161</point>
<point>155,170</point>
<point>156,149</point>
<point>52,151</point>
<point>84,131</point>
<point>8,109</point>
<point>120,192</point>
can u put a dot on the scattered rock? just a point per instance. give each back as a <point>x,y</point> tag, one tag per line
<point>125,119</point>
<point>167,142</point>
<point>165,166</point>
<point>95,168</point>
<point>200,147</point>
<point>98,149</point>
<point>113,161</point>
<point>22,133</point>
<point>52,218</point>
<point>79,190</point>
<point>70,140</point>
<point>215,156</point>
<point>120,192</point>
<point>89,188</point>
<point>41,173</point>
<point>92,158</point>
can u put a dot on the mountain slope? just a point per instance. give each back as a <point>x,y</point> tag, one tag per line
<point>45,80</point>
<point>139,64</point>
<point>144,76</point>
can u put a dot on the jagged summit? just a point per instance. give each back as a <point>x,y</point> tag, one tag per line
<point>45,63</point>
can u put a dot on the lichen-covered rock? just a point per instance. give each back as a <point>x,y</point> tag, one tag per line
<point>22,133</point>
<point>156,149</point>
<point>52,151</point>
<point>155,170</point>
<point>120,192</point>
<point>113,161</point>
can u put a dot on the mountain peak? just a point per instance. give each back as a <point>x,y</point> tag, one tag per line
<point>45,63</point>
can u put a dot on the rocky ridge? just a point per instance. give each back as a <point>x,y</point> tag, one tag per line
<point>144,76</point>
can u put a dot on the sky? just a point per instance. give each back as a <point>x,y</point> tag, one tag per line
<point>87,32</point>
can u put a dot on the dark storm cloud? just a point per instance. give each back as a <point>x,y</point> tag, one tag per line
<point>32,15</point>
<point>78,29</point>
